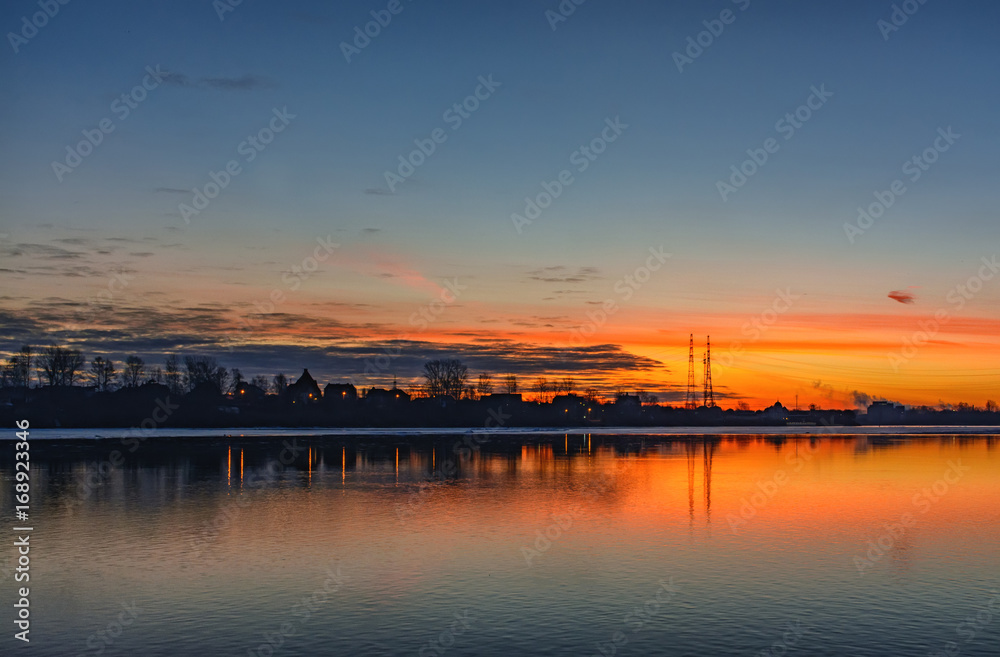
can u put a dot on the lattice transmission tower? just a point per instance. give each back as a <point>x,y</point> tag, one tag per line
<point>708,395</point>
<point>690,402</point>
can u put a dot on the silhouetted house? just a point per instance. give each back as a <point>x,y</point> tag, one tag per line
<point>204,393</point>
<point>305,390</point>
<point>884,412</point>
<point>339,392</point>
<point>439,401</point>
<point>503,402</point>
<point>628,400</point>
<point>380,397</point>
<point>776,413</point>
<point>628,407</point>
<point>203,401</point>
<point>569,407</point>
<point>802,418</point>
<point>63,396</point>
<point>248,393</point>
<point>503,398</point>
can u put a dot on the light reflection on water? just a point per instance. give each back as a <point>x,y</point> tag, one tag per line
<point>564,544</point>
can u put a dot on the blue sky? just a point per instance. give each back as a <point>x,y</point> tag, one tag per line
<point>654,185</point>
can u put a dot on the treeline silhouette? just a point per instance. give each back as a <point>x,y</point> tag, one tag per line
<point>57,386</point>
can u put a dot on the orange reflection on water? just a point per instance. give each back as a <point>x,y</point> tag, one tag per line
<point>705,501</point>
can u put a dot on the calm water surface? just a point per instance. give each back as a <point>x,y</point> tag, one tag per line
<point>569,544</point>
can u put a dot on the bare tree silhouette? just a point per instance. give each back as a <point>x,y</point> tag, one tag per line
<point>446,377</point>
<point>485,385</point>
<point>205,369</point>
<point>103,371</point>
<point>134,369</point>
<point>60,366</point>
<point>541,388</point>
<point>18,369</point>
<point>172,374</point>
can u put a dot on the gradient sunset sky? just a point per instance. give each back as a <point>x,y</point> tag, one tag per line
<point>189,287</point>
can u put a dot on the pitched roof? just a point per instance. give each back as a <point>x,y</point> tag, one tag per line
<point>305,381</point>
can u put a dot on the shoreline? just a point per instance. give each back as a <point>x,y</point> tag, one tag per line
<point>421,432</point>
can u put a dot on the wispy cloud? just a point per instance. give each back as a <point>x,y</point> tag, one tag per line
<point>39,251</point>
<point>288,341</point>
<point>561,274</point>
<point>241,83</point>
<point>902,297</point>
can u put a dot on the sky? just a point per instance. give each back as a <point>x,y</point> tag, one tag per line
<point>319,249</point>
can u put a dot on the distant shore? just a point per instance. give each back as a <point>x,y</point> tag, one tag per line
<point>419,432</point>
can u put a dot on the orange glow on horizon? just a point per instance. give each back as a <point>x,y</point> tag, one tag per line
<point>821,357</point>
